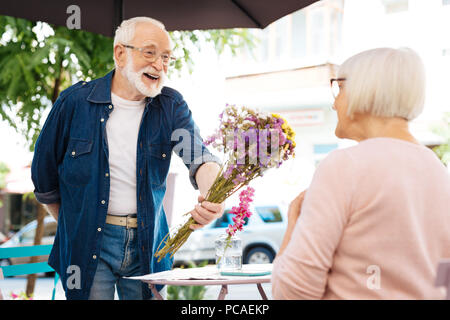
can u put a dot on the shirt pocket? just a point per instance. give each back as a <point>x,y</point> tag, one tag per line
<point>159,159</point>
<point>78,162</point>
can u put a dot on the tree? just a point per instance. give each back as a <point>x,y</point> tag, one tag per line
<point>443,151</point>
<point>4,170</point>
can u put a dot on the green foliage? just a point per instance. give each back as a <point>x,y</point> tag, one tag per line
<point>185,42</point>
<point>38,61</point>
<point>4,170</point>
<point>443,151</point>
<point>35,68</point>
<point>187,292</point>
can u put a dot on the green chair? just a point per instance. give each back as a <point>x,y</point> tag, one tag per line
<point>27,268</point>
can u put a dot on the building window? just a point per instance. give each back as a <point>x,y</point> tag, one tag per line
<point>318,32</point>
<point>335,31</point>
<point>299,34</point>
<point>395,6</point>
<point>281,41</point>
<point>309,32</point>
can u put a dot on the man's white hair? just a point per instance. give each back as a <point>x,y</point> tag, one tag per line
<point>125,32</point>
<point>385,82</point>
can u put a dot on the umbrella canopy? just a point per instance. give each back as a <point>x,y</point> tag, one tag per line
<point>103,16</point>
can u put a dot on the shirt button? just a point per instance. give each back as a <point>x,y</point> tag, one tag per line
<point>107,174</point>
<point>73,153</point>
<point>110,106</point>
<point>102,120</point>
<point>163,155</point>
<point>94,257</point>
<point>103,201</point>
<point>99,229</point>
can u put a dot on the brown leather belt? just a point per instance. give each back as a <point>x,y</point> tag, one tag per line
<point>124,221</point>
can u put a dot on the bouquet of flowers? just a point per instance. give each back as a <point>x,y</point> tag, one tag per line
<point>252,142</point>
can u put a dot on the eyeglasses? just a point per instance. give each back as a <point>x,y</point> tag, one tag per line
<point>152,55</point>
<point>335,86</point>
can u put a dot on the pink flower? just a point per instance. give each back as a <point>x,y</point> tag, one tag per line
<point>241,212</point>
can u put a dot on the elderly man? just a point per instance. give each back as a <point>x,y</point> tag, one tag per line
<point>101,163</point>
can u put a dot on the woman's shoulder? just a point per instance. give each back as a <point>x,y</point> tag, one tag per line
<point>383,153</point>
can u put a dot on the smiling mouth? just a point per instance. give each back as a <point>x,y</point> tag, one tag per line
<point>151,77</point>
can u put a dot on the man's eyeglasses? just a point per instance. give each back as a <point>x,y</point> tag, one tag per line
<point>152,55</point>
<point>335,86</point>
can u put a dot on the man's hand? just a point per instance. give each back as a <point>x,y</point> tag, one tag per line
<point>205,212</point>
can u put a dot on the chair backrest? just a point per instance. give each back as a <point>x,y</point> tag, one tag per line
<point>26,268</point>
<point>443,276</point>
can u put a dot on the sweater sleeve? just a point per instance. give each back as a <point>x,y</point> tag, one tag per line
<point>301,272</point>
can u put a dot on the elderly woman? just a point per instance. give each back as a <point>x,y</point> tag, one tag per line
<point>375,221</point>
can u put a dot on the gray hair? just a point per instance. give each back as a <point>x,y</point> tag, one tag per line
<point>125,32</point>
<point>385,82</point>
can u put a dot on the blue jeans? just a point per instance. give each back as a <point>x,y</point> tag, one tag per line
<point>119,257</point>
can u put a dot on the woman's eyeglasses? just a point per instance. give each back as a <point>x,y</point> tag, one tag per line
<point>335,89</point>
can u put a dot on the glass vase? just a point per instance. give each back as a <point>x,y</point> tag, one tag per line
<point>228,253</point>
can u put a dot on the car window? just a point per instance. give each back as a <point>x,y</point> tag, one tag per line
<point>223,221</point>
<point>269,214</point>
<point>226,219</point>
<point>50,229</point>
<point>28,235</point>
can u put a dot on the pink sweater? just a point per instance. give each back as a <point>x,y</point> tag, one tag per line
<point>374,224</point>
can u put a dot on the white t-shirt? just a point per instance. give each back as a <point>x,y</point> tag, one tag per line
<point>122,129</point>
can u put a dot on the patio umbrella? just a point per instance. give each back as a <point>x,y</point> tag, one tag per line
<point>103,16</point>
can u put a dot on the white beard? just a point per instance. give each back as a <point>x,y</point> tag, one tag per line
<point>135,79</point>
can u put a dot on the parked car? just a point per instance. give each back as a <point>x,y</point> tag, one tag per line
<point>261,238</point>
<point>25,237</point>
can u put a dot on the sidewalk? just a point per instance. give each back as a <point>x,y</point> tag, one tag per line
<point>44,287</point>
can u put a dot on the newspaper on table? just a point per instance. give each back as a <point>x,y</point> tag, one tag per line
<point>206,273</point>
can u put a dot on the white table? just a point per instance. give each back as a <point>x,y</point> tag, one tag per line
<point>206,276</point>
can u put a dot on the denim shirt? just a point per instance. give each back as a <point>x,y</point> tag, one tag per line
<point>70,166</point>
